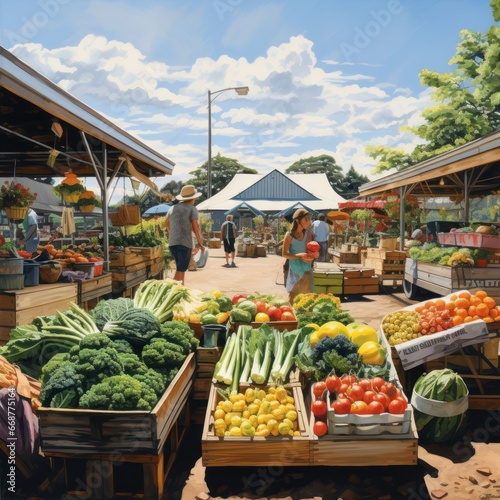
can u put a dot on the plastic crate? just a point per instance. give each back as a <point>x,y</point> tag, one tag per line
<point>31,272</point>
<point>86,267</point>
<point>11,282</point>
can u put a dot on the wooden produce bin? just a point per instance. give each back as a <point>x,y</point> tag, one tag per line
<point>387,264</point>
<point>345,257</point>
<point>91,290</point>
<point>20,307</point>
<point>444,280</point>
<point>130,269</point>
<point>328,278</point>
<point>360,281</point>
<point>106,439</point>
<point>258,451</point>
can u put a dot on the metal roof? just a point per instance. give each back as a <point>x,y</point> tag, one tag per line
<point>30,103</point>
<point>474,165</point>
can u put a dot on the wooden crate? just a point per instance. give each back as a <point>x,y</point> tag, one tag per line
<point>155,266</point>
<point>356,286</point>
<point>346,257</point>
<point>85,433</point>
<point>114,475</point>
<point>278,325</point>
<point>127,258</point>
<point>148,252</point>
<point>334,290</point>
<point>125,280</point>
<point>362,272</point>
<point>444,280</point>
<point>258,451</point>
<point>94,288</point>
<point>20,307</point>
<point>201,389</point>
<point>214,243</point>
<point>387,264</point>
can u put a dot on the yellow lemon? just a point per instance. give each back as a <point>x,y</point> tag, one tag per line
<point>332,329</point>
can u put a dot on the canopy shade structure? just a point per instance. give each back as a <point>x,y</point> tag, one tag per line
<point>38,116</point>
<point>336,215</point>
<point>245,207</point>
<point>160,209</point>
<point>361,204</point>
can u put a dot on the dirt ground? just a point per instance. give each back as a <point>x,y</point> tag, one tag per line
<point>450,470</point>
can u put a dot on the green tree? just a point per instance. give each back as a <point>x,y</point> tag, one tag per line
<point>223,170</point>
<point>323,164</point>
<point>351,182</point>
<point>468,101</point>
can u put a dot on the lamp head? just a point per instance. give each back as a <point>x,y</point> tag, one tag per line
<point>242,90</point>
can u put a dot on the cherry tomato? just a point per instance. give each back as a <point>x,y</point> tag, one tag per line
<point>377,383</point>
<point>343,387</point>
<point>319,390</point>
<point>397,407</point>
<point>348,379</point>
<point>365,383</point>
<point>319,408</point>
<point>368,396</point>
<point>375,408</point>
<point>389,389</point>
<point>382,398</point>
<point>333,383</point>
<point>320,428</point>
<point>356,392</point>
<point>359,408</point>
<point>341,406</point>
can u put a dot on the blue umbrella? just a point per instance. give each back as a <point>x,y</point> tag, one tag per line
<point>160,209</point>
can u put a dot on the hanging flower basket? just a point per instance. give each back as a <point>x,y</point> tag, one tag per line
<point>86,208</point>
<point>16,213</point>
<point>70,189</point>
<point>87,201</point>
<point>71,197</point>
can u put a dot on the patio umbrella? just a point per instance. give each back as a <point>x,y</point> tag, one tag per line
<point>337,215</point>
<point>160,209</point>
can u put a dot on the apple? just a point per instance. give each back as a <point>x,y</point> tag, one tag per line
<point>274,313</point>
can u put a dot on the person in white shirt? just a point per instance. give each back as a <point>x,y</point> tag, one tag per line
<point>321,232</point>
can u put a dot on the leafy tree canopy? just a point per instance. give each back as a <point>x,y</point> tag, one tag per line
<point>323,164</point>
<point>349,186</point>
<point>467,101</point>
<point>223,170</point>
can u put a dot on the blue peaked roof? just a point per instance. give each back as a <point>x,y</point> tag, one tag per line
<point>275,186</point>
<point>245,206</point>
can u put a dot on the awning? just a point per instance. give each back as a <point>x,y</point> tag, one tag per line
<point>337,216</point>
<point>160,209</point>
<point>245,206</point>
<point>361,204</point>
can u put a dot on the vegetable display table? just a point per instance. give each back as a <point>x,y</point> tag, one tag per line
<point>20,307</point>
<point>91,290</point>
<point>104,440</point>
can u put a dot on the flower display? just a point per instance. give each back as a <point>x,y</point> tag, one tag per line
<point>87,198</point>
<point>14,195</point>
<point>70,188</point>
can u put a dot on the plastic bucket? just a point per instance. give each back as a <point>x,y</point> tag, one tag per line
<point>211,334</point>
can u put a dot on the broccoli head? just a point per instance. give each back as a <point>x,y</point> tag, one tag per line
<point>162,354</point>
<point>185,329</point>
<point>153,379</point>
<point>132,364</point>
<point>64,387</point>
<point>51,366</point>
<point>120,392</point>
<point>176,336</point>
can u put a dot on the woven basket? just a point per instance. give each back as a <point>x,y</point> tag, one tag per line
<point>16,213</point>
<point>86,208</point>
<point>130,215</point>
<point>50,273</point>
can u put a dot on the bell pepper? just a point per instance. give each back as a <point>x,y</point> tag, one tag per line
<point>372,353</point>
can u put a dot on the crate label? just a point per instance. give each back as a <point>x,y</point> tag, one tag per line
<point>418,351</point>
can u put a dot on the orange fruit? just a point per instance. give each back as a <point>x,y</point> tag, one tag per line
<point>464,295</point>
<point>462,303</point>
<point>457,320</point>
<point>494,313</point>
<point>468,319</point>
<point>481,294</point>
<point>475,317</point>
<point>440,304</point>
<point>462,312</point>
<point>472,311</point>
<point>482,310</point>
<point>490,302</point>
<point>488,319</point>
<point>474,301</point>
<point>429,304</point>
<point>450,305</point>
<point>453,297</point>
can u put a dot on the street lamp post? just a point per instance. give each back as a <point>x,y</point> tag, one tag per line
<point>211,97</point>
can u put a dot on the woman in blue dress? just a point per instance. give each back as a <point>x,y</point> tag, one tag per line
<point>300,275</point>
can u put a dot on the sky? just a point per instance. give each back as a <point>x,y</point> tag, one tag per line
<point>324,76</point>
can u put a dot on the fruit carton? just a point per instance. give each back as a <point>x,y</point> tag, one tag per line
<point>369,425</point>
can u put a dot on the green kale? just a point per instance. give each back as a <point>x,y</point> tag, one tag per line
<point>64,387</point>
<point>157,381</point>
<point>132,364</point>
<point>162,354</point>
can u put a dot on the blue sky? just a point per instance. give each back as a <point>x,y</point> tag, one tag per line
<point>325,76</point>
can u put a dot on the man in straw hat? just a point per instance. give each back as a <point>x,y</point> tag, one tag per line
<point>182,220</point>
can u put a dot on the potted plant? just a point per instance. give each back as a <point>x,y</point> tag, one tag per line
<point>15,199</point>
<point>70,189</point>
<point>480,256</point>
<point>87,201</point>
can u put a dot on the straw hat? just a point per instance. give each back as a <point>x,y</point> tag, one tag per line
<point>188,192</point>
<point>299,213</point>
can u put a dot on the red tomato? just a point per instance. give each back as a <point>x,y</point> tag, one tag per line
<point>236,298</point>
<point>287,316</point>
<point>365,383</point>
<point>320,428</point>
<point>389,389</point>
<point>397,407</point>
<point>333,383</point>
<point>348,379</point>
<point>368,396</point>
<point>286,308</point>
<point>403,400</point>
<point>343,387</point>
<point>319,390</point>
<point>2,240</point>
<point>274,313</point>
<point>377,383</point>
<point>262,307</point>
<point>356,392</point>
<point>382,398</point>
<point>341,406</point>
<point>375,408</point>
<point>319,408</point>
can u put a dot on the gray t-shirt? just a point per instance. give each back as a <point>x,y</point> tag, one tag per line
<point>180,216</point>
